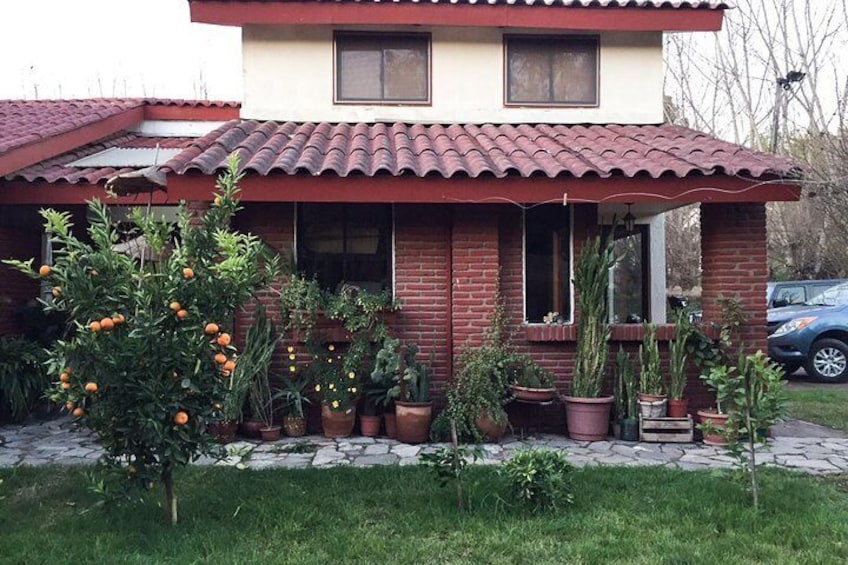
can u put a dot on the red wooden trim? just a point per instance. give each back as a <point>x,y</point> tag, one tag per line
<point>192,113</point>
<point>434,190</point>
<point>386,13</point>
<point>38,151</point>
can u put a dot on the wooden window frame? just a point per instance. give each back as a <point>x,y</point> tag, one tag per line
<point>593,40</point>
<point>380,102</point>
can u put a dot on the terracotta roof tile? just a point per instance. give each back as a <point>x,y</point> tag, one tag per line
<point>267,148</point>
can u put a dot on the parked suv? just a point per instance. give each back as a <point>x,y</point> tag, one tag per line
<point>790,293</point>
<point>813,335</point>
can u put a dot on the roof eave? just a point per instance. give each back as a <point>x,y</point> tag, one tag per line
<point>680,19</point>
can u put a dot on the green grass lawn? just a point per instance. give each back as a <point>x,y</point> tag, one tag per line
<point>825,407</point>
<point>399,515</point>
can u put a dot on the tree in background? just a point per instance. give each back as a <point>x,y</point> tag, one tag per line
<point>147,362</point>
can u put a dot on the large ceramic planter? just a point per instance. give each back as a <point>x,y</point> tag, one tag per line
<point>223,432</point>
<point>250,428</point>
<point>391,425</point>
<point>717,424</point>
<point>491,430</point>
<point>678,408</point>
<point>528,394</point>
<point>588,418</point>
<point>295,426</point>
<point>337,423</point>
<point>271,433</point>
<point>369,426</point>
<point>413,421</point>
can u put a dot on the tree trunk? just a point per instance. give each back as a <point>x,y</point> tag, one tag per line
<point>170,496</point>
<point>752,463</point>
<point>459,498</point>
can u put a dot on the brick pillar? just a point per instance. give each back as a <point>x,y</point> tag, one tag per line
<point>734,265</point>
<point>474,272</point>
<point>196,210</point>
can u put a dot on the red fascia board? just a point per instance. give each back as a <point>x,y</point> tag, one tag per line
<point>191,113</point>
<point>44,149</point>
<point>387,13</point>
<point>432,190</point>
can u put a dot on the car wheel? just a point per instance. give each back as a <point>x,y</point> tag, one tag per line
<point>828,361</point>
<point>790,368</point>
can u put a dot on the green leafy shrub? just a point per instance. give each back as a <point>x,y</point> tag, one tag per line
<point>23,377</point>
<point>539,479</point>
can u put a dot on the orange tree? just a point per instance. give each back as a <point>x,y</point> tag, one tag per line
<point>142,366</point>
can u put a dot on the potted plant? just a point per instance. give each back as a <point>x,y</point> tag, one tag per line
<point>587,411</point>
<point>532,383</point>
<point>723,380</point>
<point>628,410</point>
<point>678,406</point>
<point>253,366</point>
<point>262,404</point>
<point>338,385</point>
<point>414,410</point>
<point>294,395</point>
<point>652,398</point>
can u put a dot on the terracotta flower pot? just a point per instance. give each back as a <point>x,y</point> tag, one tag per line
<point>529,394</point>
<point>337,423</point>
<point>250,428</point>
<point>271,433</point>
<point>678,408</point>
<point>295,426</point>
<point>369,426</point>
<point>588,418</point>
<point>491,430</point>
<point>718,422</point>
<point>223,432</point>
<point>391,424</point>
<point>413,421</point>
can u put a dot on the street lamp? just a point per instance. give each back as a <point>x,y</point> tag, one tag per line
<point>784,85</point>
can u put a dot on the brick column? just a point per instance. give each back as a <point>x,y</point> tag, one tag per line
<point>474,259</point>
<point>734,265</point>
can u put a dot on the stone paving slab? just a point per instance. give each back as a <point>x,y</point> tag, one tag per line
<point>60,442</point>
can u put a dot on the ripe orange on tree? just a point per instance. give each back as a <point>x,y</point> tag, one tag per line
<point>188,273</point>
<point>64,377</point>
<point>95,326</point>
<point>229,365</point>
<point>211,328</point>
<point>224,339</point>
<point>182,314</point>
<point>78,412</point>
<point>118,319</point>
<point>69,406</point>
<point>220,358</point>
<point>90,387</point>
<point>181,418</point>
<point>56,292</point>
<point>107,324</point>
<point>44,270</point>
<point>175,306</point>
<point>66,386</point>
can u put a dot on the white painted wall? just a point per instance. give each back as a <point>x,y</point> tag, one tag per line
<point>288,75</point>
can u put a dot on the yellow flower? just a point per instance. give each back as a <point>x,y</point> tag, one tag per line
<point>335,404</point>
<point>292,356</point>
<point>317,388</point>
<point>353,390</point>
<point>290,349</point>
<point>351,375</point>
<point>329,359</point>
<point>292,368</point>
<point>332,386</point>
<point>331,347</point>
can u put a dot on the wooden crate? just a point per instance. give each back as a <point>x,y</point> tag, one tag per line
<point>666,430</point>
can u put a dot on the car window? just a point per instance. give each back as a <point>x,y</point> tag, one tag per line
<point>788,295</point>
<point>834,296</point>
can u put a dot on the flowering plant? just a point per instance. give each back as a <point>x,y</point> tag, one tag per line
<point>337,384</point>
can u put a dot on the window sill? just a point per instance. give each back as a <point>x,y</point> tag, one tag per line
<point>542,333</point>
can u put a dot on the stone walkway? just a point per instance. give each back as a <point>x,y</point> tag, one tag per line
<point>58,442</point>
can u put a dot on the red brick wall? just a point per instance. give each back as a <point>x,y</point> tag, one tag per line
<point>16,288</point>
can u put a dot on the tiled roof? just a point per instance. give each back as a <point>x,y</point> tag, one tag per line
<point>57,169</point>
<point>706,4</point>
<point>28,121</point>
<point>398,149</point>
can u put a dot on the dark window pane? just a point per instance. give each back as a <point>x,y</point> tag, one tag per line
<point>552,70</point>
<point>547,262</point>
<point>389,68</point>
<point>340,243</point>
<point>628,280</point>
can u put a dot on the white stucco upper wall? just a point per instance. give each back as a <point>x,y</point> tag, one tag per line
<point>288,76</point>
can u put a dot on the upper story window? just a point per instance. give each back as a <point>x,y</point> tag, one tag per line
<point>346,243</point>
<point>383,68</point>
<point>552,71</point>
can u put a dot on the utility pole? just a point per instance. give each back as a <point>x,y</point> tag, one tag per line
<point>784,85</point>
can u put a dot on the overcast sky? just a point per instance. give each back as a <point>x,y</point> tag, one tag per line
<point>93,48</point>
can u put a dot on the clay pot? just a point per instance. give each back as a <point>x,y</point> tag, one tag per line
<point>295,426</point>
<point>413,421</point>
<point>718,423</point>
<point>337,423</point>
<point>391,424</point>
<point>528,394</point>
<point>271,433</point>
<point>369,426</point>
<point>588,418</point>
<point>653,408</point>
<point>250,429</point>
<point>223,432</point>
<point>491,430</point>
<point>678,408</point>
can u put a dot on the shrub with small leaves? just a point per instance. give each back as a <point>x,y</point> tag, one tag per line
<point>539,479</point>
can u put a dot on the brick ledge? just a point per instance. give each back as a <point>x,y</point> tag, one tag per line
<point>619,332</point>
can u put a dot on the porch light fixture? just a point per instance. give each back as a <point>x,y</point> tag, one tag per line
<point>629,219</point>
